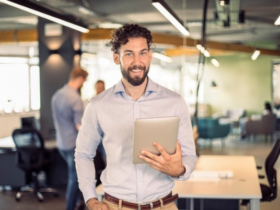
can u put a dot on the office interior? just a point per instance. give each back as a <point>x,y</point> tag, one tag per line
<point>240,72</point>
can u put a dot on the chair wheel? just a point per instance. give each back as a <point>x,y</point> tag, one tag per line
<point>40,197</point>
<point>18,195</point>
<point>56,195</point>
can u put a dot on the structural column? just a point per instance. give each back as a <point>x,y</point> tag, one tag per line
<point>58,47</point>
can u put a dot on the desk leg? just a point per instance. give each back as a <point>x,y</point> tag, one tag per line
<point>191,204</point>
<point>255,204</point>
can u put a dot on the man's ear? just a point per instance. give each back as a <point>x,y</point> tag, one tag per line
<point>116,58</point>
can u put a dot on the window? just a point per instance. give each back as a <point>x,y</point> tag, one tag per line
<point>35,87</point>
<point>19,85</point>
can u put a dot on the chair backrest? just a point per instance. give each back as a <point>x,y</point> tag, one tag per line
<point>29,148</point>
<point>269,123</point>
<point>270,170</point>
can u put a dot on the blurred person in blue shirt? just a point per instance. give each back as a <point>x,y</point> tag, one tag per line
<point>67,109</point>
<point>109,117</point>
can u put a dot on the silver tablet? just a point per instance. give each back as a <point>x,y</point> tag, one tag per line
<point>163,130</point>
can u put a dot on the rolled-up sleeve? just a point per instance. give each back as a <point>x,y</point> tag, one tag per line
<point>185,137</point>
<point>89,137</point>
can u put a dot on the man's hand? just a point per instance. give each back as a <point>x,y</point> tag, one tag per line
<point>94,204</point>
<point>168,164</point>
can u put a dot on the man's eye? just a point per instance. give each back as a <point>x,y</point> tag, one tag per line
<point>128,54</point>
<point>143,53</point>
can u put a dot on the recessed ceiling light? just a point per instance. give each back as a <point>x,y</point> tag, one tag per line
<point>215,62</point>
<point>255,54</point>
<point>206,53</point>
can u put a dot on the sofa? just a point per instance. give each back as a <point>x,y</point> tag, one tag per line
<point>210,129</point>
<point>266,126</point>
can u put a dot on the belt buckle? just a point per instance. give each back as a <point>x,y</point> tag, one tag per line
<point>151,206</point>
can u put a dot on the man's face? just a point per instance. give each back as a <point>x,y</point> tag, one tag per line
<point>99,87</point>
<point>80,81</point>
<point>134,58</point>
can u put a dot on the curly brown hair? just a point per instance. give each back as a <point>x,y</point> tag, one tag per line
<point>121,36</point>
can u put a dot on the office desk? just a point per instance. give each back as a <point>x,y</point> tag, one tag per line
<point>243,185</point>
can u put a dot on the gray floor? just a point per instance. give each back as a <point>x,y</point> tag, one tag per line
<point>30,202</point>
<point>258,148</point>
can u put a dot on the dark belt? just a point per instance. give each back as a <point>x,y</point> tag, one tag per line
<point>166,200</point>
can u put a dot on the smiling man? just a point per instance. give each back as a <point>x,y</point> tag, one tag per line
<point>110,116</point>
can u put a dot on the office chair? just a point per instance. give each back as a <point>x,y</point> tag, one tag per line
<point>32,158</point>
<point>269,193</point>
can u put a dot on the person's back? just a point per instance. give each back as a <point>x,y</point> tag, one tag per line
<point>67,108</point>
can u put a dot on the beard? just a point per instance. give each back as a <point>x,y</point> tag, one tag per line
<point>136,81</point>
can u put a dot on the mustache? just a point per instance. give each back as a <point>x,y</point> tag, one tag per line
<point>135,67</point>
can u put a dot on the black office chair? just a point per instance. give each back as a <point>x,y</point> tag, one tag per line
<point>269,193</point>
<point>31,157</point>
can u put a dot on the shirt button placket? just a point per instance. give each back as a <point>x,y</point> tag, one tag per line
<point>139,167</point>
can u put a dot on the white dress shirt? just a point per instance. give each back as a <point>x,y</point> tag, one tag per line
<point>109,117</point>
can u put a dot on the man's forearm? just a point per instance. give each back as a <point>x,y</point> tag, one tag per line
<point>86,175</point>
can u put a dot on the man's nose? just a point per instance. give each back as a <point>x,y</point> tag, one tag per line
<point>137,59</point>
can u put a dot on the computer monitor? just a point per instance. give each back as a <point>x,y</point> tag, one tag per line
<point>28,122</point>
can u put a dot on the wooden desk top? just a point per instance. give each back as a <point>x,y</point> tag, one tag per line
<point>243,185</point>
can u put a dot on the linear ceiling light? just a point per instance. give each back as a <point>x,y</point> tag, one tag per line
<point>277,21</point>
<point>162,57</point>
<point>255,55</point>
<point>47,14</point>
<point>109,25</point>
<point>165,10</point>
<point>215,62</point>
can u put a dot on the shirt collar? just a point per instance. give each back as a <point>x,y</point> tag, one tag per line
<point>151,87</point>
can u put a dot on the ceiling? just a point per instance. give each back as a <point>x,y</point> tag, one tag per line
<point>258,30</point>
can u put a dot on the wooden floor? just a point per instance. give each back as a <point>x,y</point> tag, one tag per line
<point>234,146</point>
